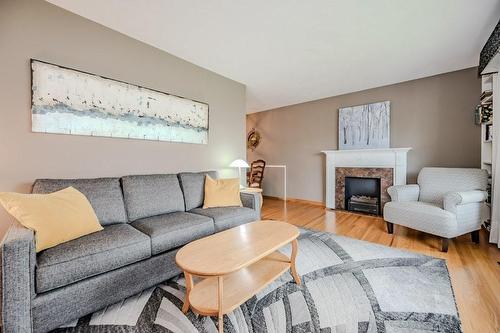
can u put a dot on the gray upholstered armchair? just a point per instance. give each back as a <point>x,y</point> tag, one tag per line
<point>446,202</point>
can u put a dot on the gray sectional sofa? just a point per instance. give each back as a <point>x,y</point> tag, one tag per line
<point>146,218</point>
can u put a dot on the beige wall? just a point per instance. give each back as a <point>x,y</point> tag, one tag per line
<point>433,115</point>
<point>36,29</point>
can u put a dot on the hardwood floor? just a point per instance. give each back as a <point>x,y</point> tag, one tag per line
<point>474,271</point>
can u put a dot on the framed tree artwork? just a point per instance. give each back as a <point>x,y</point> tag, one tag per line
<point>365,126</point>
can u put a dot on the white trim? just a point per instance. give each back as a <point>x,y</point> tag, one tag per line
<point>365,150</point>
<point>284,176</point>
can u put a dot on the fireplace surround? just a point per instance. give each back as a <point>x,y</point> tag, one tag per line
<point>388,164</point>
<point>383,177</point>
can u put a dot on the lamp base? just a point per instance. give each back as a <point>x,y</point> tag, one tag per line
<point>239,177</point>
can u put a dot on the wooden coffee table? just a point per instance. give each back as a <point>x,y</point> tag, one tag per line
<point>235,265</point>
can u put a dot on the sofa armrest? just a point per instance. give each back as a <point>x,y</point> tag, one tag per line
<point>453,199</point>
<point>18,256</point>
<point>251,200</point>
<point>402,193</point>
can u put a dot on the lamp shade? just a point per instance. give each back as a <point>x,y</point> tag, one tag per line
<point>239,164</point>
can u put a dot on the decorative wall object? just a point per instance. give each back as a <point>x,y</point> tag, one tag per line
<point>253,139</point>
<point>365,126</point>
<point>68,101</point>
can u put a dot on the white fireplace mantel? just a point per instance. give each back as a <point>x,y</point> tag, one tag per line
<point>395,158</point>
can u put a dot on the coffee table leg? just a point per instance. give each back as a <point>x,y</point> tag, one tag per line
<point>221,315</point>
<point>189,287</point>
<point>292,262</point>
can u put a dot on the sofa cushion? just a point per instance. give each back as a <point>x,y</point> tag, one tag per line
<point>422,216</point>
<point>55,217</point>
<point>222,193</point>
<point>228,217</point>
<point>115,246</point>
<point>104,194</point>
<point>172,230</point>
<point>150,195</point>
<point>193,187</point>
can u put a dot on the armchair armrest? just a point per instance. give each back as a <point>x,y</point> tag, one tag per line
<point>453,199</point>
<point>251,200</point>
<point>18,257</point>
<point>401,193</point>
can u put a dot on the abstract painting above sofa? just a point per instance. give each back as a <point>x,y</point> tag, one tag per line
<point>67,101</point>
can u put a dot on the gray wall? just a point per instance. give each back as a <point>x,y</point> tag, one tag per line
<point>36,29</point>
<point>433,115</point>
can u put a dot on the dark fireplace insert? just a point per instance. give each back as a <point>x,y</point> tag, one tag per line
<point>362,195</point>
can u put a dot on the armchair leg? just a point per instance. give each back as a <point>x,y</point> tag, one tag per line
<point>444,244</point>
<point>475,236</point>
<point>390,227</point>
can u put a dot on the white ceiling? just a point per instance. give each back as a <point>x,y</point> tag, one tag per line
<point>292,51</point>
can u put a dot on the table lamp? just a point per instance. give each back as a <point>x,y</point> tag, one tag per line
<point>239,164</point>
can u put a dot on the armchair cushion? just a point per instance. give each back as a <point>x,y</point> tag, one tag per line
<point>423,216</point>
<point>453,199</point>
<point>402,193</point>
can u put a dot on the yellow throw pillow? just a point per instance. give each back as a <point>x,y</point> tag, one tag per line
<point>222,192</point>
<point>55,218</point>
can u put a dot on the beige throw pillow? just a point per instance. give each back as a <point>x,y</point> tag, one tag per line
<point>221,192</point>
<point>55,218</point>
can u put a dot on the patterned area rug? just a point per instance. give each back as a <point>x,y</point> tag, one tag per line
<point>348,286</point>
